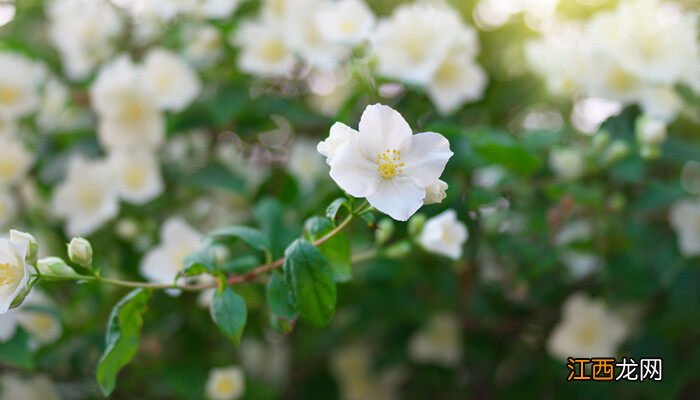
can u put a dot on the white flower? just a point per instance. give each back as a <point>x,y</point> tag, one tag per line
<point>439,342</point>
<point>7,208</point>
<point>35,388</point>
<point>305,164</point>
<point>435,192</point>
<point>129,115</point>
<point>36,317</point>
<point>457,80</point>
<point>172,83</point>
<point>340,134</point>
<point>264,51</point>
<point>15,160</point>
<point>83,32</point>
<point>87,198</point>
<point>587,329</point>
<point>163,263</point>
<point>225,383</point>
<point>19,83</point>
<point>444,234</point>
<point>137,174</point>
<point>650,131</point>
<point>345,21</point>
<point>358,380</point>
<point>662,103</point>
<point>14,272</point>
<point>685,219</point>
<point>218,9</point>
<point>388,165</point>
<point>266,360</point>
<point>204,45</point>
<point>567,163</point>
<point>412,43</point>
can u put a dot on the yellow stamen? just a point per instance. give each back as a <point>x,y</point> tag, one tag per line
<point>9,274</point>
<point>389,163</point>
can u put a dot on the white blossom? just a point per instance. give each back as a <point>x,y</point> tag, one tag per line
<point>225,383</point>
<point>8,207</point>
<point>385,163</point>
<point>14,272</point>
<point>264,50</point>
<point>137,175</point>
<point>457,80</point>
<point>568,163</point>
<point>435,192</point>
<point>171,82</point>
<point>305,164</point>
<point>163,263</point>
<point>345,21</point>
<point>87,197</point>
<point>650,131</point>
<point>440,342</point>
<point>685,220</point>
<point>587,329</point>
<point>36,317</point>
<point>15,160</point>
<point>19,84</point>
<point>444,234</point>
<point>340,134</point>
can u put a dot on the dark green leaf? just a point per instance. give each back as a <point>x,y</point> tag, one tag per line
<point>336,249</point>
<point>335,206</point>
<point>250,236</point>
<point>228,310</point>
<point>307,274</point>
<point>16,352</point>
<point>123,336</point>
<point>202,261</point>
<point>278,297</point>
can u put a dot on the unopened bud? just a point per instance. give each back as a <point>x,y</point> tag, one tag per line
<point>55,267</point>
<point>385,228</point>
<point>30,242</point>
<point>415,224</point>
<point>435,193</point>
<point>80,252</point>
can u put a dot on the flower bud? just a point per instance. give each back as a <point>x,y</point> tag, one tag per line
<point>80,252</point>
<point>435,193</point>
<point>415,224</point>
<point>385,228</point>
<point>29,241</point>
<point>55,267</point>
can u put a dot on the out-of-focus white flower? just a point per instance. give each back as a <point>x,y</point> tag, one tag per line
<point>80,252</point>
<point>171,82</point>
<point>35,388</point>
<point>15,160</point>
<point>137,174</point>
<point>587,329</point>
<point>387,164</point>
<point>305,163</point>
<point>55,114</point>
<point>685,219</point>
<point>225,383</point>
<point>412,43</point>
<point>581,263</point>
<point>7,208</point>
<point>8,127</point>
<point>457,80</point>
<point>264,50</point>
<point>19,83</point>
<point>267,360</point>
<point>83,32</point>
<point>329,90</point>
<point>661,102</point>
<point>87,197</point>
<point>129,115</point>
<point>650,131</point>
<point>345,21</point>
<point>352,367</point>
<point>14,272</point>
<point>435,192</point>
<point>440,342</point>
<point>217,9</point>
<point>162,263</point>
<point>340,134</point>
<point>488,177</point>
<point>204,45</point>
<point>38,318</point>
<point>444,234</point>
<point>567,163</point>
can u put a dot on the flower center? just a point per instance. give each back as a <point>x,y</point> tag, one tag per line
<point>7,169</point>
<point>9,95</point>
<point>389,163</point>
<point>225,385</point>
<point>134,177</point>
<point>9,274</point>
<point>588,335</point>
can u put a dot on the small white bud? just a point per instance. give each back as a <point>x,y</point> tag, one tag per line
<point>55,267</point>
<point>80,252</point>
<point>30,242</point>
<point>435,193</point>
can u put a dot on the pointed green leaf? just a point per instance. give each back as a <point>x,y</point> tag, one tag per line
<point>336,249</point>
<point>278,297</point>
<point>123,336</point>
<point>228,310</point>
<point>308,276</point>
<point>250,236</point>
<point>335,206</point>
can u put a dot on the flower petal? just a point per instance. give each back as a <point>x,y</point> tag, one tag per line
<point>426,157</point>
<point>353,172</point>
<point>382,128</point>
<point>398,197</point>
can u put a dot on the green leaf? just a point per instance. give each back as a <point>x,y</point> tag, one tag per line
<point>228,310</point>
<point>336,249</point>
<point>123,336</point>
<point>16,351</point>
<point>202,261</point>
<point>278,297</point>
<point>335,206</point>
<point>307,274</point>
<point>499,148</point>
<point>250,236</point>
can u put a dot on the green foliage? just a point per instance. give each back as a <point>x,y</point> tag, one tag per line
<point>310,280</point>
<point>122,338</point>
<point>228,310</point>
<point>336,249</point>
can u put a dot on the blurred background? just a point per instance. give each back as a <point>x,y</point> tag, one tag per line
<point>144,124</point>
